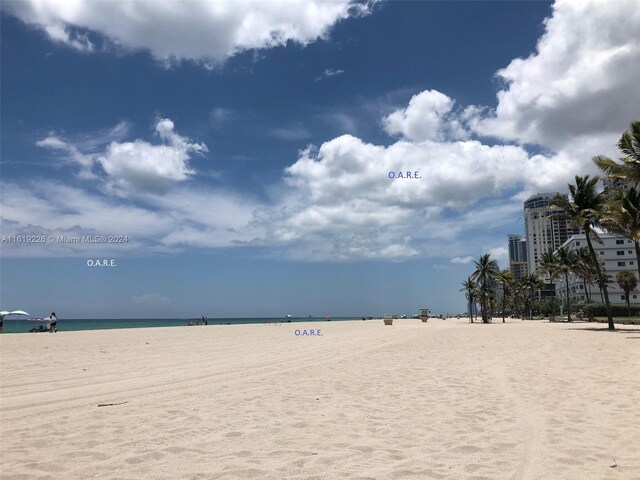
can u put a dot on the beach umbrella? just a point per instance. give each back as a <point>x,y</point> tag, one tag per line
<point>4,313</point>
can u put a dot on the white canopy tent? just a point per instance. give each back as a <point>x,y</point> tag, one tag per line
<point>4,313</point>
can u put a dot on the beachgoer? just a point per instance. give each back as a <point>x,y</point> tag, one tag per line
<point>53,323</point>
<point>190,324</point>
<point>206,320</point>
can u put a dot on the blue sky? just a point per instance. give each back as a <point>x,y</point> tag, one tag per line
<point>244,149</point>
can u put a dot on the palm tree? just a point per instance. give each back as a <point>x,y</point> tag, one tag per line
<point>622,216</point>
<point>627,281</point>
<point>537,286</point>
<point>530,284</point>
<point>566,263</point>
<point>606,280</point>
<point>585,209</point>
<point>485,275</point>
<point>549,266</point>
<point>471,290</point>
<point>585,269</point>
<point>518,297</point>
<point>506,279</point>
<point>629,145</point>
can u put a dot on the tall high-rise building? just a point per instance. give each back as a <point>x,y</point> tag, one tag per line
<point>546,227</point>
<point>518,256</point>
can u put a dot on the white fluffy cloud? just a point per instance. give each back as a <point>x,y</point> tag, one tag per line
<point>581,83</point>
<point>428,116</point>
<point>341,203</point>
<point>203,31</point>
<point>138,166</point>
<point>142,167</point>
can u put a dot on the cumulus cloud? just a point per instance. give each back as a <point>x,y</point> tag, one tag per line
<point>580,84</point>
<point>341,203</point>
<point>206,32</point>
<point>142,167</point>
<point>428,116</point>
<point>134,167</point>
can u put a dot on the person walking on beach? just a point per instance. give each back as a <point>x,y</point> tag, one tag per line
<point>53,323</point>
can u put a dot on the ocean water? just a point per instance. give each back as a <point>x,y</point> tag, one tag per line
<point>13,325</point>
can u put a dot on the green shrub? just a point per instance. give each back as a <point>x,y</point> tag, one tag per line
<point>550,306</point>
<point>599,309</point>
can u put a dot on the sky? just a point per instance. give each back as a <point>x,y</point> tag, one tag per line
<point>246,156</point>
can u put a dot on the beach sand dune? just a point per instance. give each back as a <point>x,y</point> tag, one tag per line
<point>445,399</point>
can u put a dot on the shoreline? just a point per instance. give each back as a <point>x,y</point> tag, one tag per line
<point>20,326</point>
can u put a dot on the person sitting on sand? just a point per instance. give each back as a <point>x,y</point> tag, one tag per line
<point>53,323</point>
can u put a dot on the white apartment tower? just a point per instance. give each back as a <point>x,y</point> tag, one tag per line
<point>546,227</point>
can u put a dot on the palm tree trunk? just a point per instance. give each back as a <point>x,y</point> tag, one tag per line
<point>531,309</point>
<point>483,305</point>
<point>490,307</point>
<point>566,279</point>
<point>628,306</point>
<point>638,257</point>
<point>594,259</point>
<point>584,285</point>
<point>504,301</point>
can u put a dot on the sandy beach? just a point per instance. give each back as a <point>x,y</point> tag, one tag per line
<point>445,399</point>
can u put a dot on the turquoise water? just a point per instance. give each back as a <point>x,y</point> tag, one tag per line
<point>68,325</point>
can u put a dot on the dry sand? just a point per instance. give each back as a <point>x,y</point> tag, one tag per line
<point>446,399</point>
